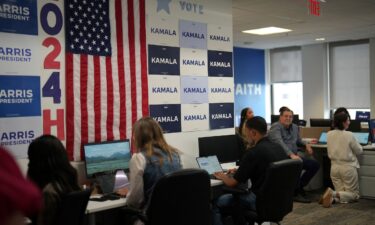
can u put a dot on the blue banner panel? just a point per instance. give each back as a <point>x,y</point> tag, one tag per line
<point>221,115</point>
<point>362,116</point>
<point>168,116</point>
<point>249,81</point>
<point>19,96</point>
<point>19,17</point>
<point>220,64</point>
<point>163,60</point>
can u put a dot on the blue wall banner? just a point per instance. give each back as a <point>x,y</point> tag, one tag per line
<point>19,96</point>
<point>168,116</point>
<point>220,64</point>
<point>221,115</point>
<point>249,80</point>
<point>19,16</point>
<point>163,60</point>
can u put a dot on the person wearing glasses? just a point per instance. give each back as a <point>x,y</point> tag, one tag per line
<point>286,134</point>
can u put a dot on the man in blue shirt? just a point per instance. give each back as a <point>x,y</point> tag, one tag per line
<point>286,134</point>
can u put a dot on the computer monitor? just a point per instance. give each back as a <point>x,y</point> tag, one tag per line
<point>362,137</point>
<point>225,147</point>
<point>106,157</point>
<point>355,126</point>
<point>371,128</point>
<point>362,116</point>
<point>320,123</point>
<point>275,118</point>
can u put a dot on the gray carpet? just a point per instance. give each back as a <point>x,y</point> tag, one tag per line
<point>357,213</point>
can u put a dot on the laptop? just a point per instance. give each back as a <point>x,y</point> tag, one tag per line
<point>361,137</point>
<point>322,139</point>
<point>211,164</point>
<point>109,184</point>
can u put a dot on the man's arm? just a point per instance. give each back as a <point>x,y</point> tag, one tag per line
<point>228,181</point>
<point>302,143</point>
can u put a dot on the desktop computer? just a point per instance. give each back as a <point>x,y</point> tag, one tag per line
<point>107,162</point>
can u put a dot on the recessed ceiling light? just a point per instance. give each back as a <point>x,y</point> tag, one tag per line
<point>320,39</point>
<point>267,31</point>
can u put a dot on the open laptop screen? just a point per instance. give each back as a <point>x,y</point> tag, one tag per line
<point>323,138</point>
<point>210,164</point>
<point>362,138</point>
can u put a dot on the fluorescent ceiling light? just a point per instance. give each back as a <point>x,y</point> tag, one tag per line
<point>320,39</point>
<point>267,31</point>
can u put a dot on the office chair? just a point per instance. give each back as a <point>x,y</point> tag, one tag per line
<point>275,197</point>
<point>72,208</point>
<point>178,198</point>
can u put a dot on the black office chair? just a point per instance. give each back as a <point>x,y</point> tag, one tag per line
<point>72,208</point>
<point>179,198</point>
<point>274,199</point>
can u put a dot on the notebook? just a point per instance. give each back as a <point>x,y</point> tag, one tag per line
<point>210,164</point>
<point>362,138</point>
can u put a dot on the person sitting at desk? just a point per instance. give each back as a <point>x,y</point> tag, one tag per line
<point>153,159</point>
<point>18,196</point>
<point>253,166</point>
<point>285,133</point>
<point>342,149</point>
<point>50,169</point>
<point>243,142</point>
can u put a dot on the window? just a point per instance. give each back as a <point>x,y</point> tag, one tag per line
<point>350,74</point>
<point>286,80</point>
<point>288,94</point>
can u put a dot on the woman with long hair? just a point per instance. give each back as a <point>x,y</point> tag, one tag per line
<point>243,142</point>
<point>246,113</point>
<point>153,159</point>
<point>50,169</point>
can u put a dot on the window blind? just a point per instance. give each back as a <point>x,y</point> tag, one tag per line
<point>350,75</point>
<point>286,65</point>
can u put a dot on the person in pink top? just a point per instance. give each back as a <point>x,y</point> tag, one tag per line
<point>19,198</point>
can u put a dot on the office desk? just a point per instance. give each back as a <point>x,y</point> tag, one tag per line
<point>93,206</point>
<point>366,172</point>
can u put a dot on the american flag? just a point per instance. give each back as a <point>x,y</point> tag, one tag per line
<point>106,70</point>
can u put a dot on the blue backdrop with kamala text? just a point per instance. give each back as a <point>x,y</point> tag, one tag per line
<point>249,81</point>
